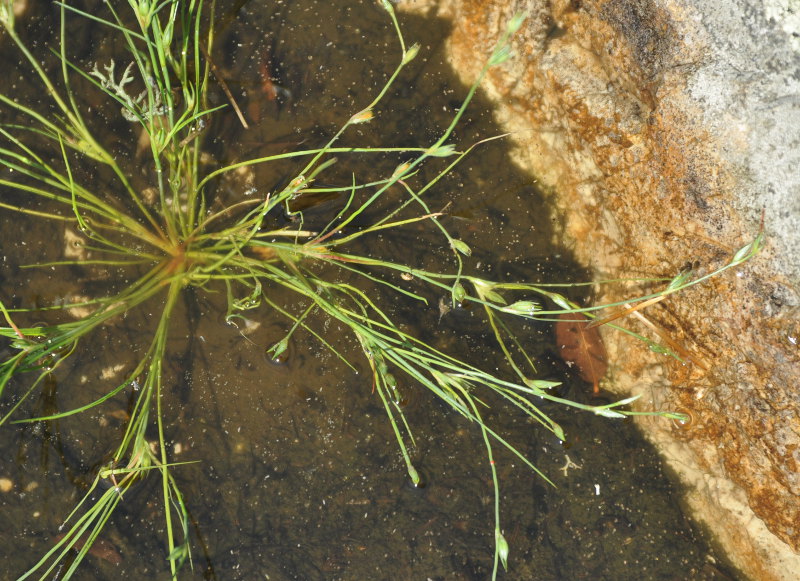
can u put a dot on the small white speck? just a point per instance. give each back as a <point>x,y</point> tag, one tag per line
<point>597,490</point>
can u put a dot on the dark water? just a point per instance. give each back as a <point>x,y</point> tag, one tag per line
<point>299,475</point>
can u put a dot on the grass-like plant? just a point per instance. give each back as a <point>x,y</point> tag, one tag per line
<point>170,236</point>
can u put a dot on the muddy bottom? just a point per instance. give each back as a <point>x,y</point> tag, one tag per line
<point>299,477</point>
<point>296,473</point>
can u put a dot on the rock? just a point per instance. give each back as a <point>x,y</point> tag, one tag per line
<point>663,130</point>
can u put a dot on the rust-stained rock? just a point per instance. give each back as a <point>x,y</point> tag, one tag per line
<point>663,130</point>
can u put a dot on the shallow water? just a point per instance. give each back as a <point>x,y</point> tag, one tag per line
<point>298,473</point>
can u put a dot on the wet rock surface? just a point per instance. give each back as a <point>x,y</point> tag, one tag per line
<point>664,130</point>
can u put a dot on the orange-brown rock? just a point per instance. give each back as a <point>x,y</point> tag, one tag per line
<point>663,130</point>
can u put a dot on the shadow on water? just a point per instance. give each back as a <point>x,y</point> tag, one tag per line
<point>298,473</point>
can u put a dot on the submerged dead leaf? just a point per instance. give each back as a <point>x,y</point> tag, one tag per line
<point>582,346</point>
<point>100,548</point>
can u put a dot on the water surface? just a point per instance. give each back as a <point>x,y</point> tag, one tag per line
<point>299,475</point>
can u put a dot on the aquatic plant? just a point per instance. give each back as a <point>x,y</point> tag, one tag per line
<point>164,237</point>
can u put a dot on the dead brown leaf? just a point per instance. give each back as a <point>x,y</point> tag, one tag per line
<point>581,345</point>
